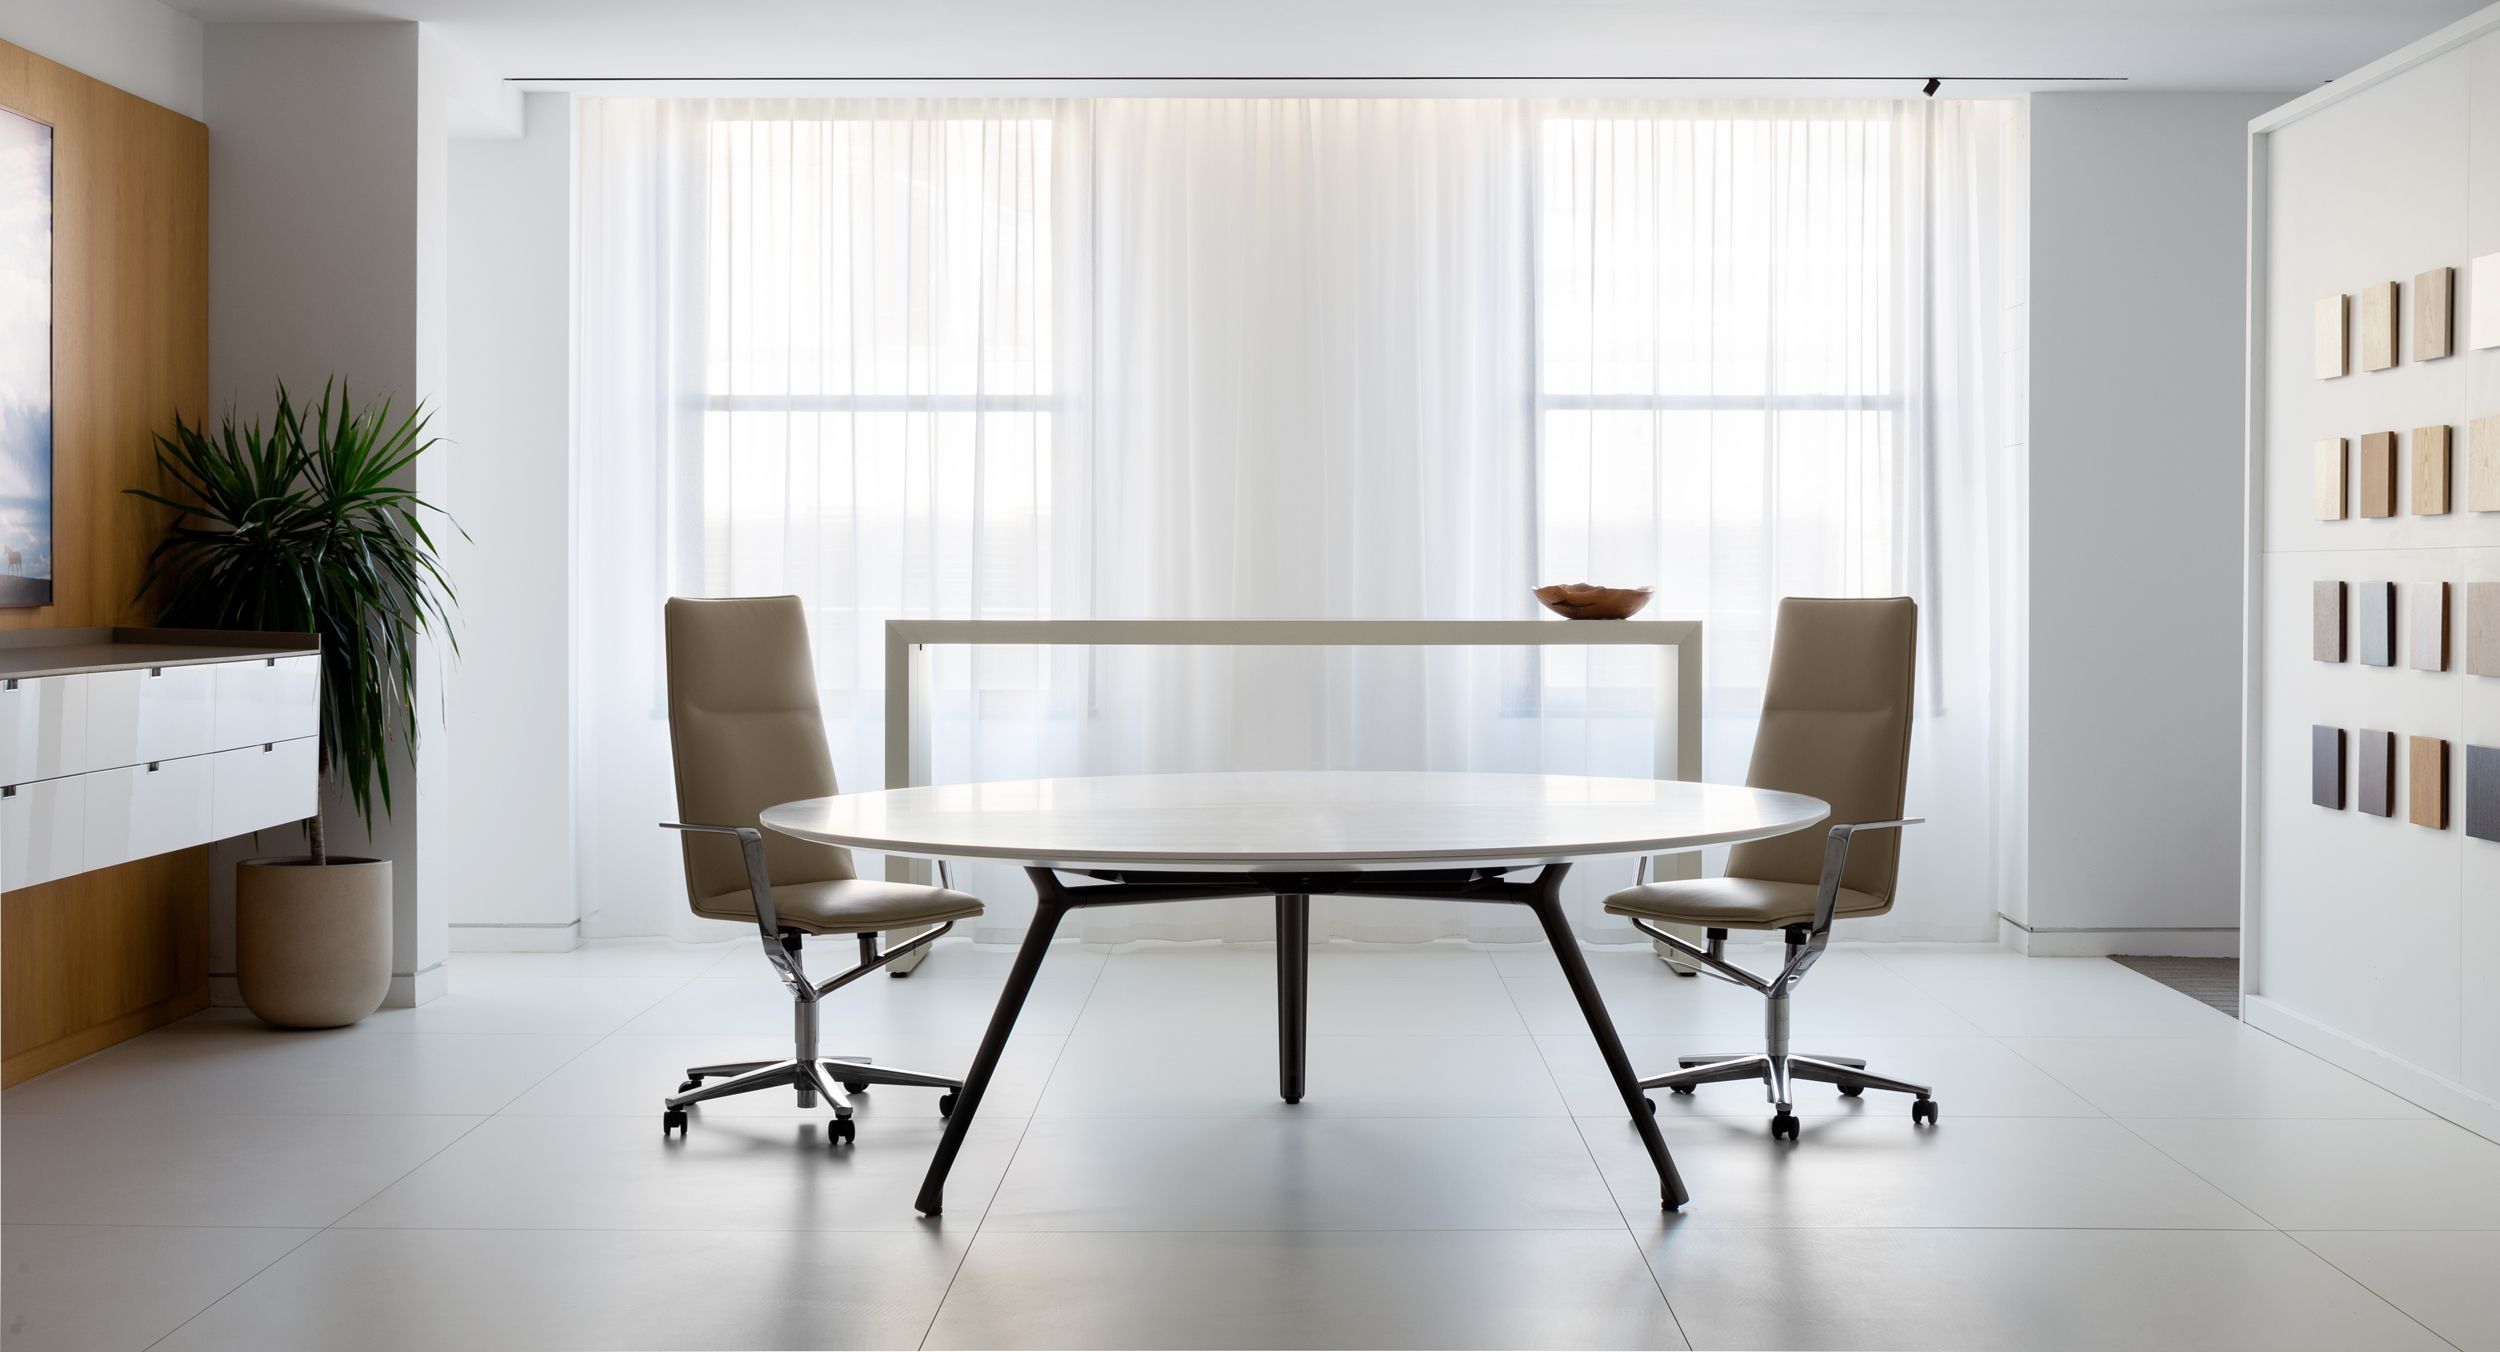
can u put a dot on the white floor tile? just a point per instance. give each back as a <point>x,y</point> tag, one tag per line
<point>226,1061</point>
<point>1972,1077</point>
<point>2008,995</point>
<point>1370,990</point>
<point>1304,1289</point>
<point>117,1288</point>
<point>629,1074</point>
<point>1158,1073</point>
<point>472,1290</point>
<point>1843,995</point>
<point>2442,1278</point>
<point>2044,1172</point>
<point>613,957</point>
<point>734,1001</point>
<point>724,1173</point>
<point>505,1002</point>
<point>2246,1075</point>
<point>1313,1174</point>
<point>209,1169</point>
<point>2346,1174</point>
<point>2087,1290</point>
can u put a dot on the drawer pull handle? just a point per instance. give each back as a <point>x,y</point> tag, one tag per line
<point>267,747</point>
<point>9,791</point>
<point>12,685</point>
<point>152,766</point>
<point>154,672</point>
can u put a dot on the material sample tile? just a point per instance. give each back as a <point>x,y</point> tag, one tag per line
<point>2430,470</point>
<point>2482,471</point>
<point>2486,311</point>
<point>2333,314</point>
<point>2326,622</point>
<point>2378,327</point>
<point>2482,792</point>
<point>2375,782</point>
<point>2378,474</point>
<point>2482,628</point>
<point>2326,767</point>
<point>2374,622</point>
<point>2327,478</point>
<point>2434,314</point>
<point>2426,782</point>
<point>2426,626</point>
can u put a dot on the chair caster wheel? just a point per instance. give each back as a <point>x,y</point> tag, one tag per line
<point>672,1120</point>
<point>1852,1090</point>
<point>690,1084</point>
<point>843,1131</point>
<point>1923,1112</point>
<point>854,1086</point>
<point>946,1104</point>
<point>1684,1089</point>
<point>1685,971</point>
<point>1784,1127</point>
<point>1651,1104</point>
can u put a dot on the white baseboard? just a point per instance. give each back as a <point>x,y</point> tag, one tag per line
<point>408,990</point>
<point>2476,1112</point>
<point>2102,943</point>
<point>563,938</point>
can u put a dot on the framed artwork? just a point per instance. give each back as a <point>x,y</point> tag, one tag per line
<point>2378,327</point>
<point>2378,474</point>
<point>2434,314</point>
<point>2426,782</point>
<point>2430,470</point>
<point>25,361</point>
<point>2333,318</point>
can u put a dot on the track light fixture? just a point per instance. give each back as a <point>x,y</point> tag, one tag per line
<point>1933,84</point>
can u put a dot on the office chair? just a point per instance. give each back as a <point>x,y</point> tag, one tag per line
<point>1835,725</point>
<point>746,734</point>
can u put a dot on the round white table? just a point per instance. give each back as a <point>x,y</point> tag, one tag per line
<point>1137,839</point>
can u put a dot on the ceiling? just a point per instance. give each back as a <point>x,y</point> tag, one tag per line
<point>2153,44</point>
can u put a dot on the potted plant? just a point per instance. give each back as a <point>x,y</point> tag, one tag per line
<point>308,526</point>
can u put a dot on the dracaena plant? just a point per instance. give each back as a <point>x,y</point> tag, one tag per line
<point>307,525</point>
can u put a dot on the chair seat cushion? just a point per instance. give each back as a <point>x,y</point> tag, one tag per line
<point>848,906</point>
<point>1736,903</point>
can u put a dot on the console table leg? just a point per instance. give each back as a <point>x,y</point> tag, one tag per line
<point>1293,993</point>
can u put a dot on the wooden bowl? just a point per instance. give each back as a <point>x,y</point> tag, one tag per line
<point>1586,601</point>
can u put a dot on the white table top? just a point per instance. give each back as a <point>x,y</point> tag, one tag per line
<point>1295,821</point>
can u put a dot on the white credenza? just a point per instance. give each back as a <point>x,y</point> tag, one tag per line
<point>118,744</point>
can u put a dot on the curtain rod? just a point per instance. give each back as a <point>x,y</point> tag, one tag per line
<point>1304,79</point>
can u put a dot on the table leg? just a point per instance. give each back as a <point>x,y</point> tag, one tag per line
<point>1575,968</point>
<point>1037,937</point>
<point>1293,993</point>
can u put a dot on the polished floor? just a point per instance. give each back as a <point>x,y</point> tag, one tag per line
<point>2118,1166</point>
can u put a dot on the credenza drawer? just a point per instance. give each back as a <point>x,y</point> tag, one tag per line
<point>258,787</point>
<point>142,810</point>
<point>43,727</point>
<point>42,831</point>
<point>267,700</point>
<point>156,714</point>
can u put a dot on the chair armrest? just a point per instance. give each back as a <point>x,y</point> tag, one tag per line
<point>759,877</point>
<point>1836,862</point>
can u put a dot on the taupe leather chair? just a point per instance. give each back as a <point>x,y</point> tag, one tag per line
<point>1835,725</point>
<point>746,734</point>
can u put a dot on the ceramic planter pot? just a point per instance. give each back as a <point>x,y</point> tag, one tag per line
<point>313,941</point>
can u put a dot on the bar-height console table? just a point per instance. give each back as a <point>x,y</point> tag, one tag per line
<point>1676,752</point>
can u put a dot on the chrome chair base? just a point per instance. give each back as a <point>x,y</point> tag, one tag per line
<point>1779,1072</point>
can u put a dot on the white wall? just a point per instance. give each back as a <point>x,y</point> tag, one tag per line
<point>2374,941</point>
<point>2138,314</point>
<point>135,45</point>
<point>511,487</point>
<point>327,169</point>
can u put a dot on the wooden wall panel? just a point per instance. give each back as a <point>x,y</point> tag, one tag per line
<point>92,959</point>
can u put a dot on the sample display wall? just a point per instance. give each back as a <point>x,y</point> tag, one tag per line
<point>2370,909</point>
<point>98,957</point>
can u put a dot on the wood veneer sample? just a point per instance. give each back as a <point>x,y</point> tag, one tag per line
<point>2434,314</point>
<point>2482,792</point>
<point>2426,626</point>
<point>2430,470</point>
<point>2326,767</point>
<point>2426,782</point>
<point>2482,474</point>
<point>2482,628</point>
<point>2375,780</point>
<point>2378,326</point>
<point>2334,313</point>
<point>2374,622</point>
<point>2378,474</point>
<point>2326,622</point>
<point>2327,478</point>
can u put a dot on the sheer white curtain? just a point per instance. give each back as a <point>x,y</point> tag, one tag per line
<point>1365,358</point>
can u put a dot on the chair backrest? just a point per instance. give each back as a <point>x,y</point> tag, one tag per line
<point>745,732</point>
<point>1836,725</point>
